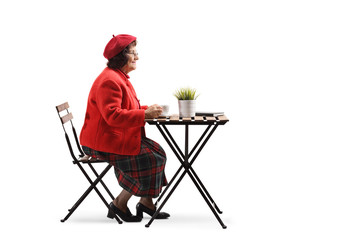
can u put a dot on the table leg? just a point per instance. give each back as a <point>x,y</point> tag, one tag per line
<point>194,173</point>
<point>205,190</point>
<point>184,160</point>
<point>165,200</point>
<point>168,186</point>
<point>207,200</point>
<point>173,145</point>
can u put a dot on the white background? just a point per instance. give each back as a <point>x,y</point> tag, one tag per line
<point>286,74</point>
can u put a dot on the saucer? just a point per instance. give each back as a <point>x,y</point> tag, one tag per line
<point>165,116</point>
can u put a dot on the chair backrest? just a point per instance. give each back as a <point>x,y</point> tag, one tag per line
<point>65,119</point>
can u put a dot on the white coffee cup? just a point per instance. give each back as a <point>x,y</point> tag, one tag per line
<point>165,111</point>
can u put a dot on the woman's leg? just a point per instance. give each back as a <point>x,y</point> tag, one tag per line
<point>147,202</point>
<point>121,201</point>
<point>146,205</point>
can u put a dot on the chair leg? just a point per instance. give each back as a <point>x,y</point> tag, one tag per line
<point>86,193</point>
<point>101,181</point>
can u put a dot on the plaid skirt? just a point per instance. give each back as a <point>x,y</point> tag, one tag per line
<point>142,175</point>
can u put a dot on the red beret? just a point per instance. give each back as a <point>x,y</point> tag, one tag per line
<point>117,44</point>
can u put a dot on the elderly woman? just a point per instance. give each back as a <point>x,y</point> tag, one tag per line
<point>114,130</point>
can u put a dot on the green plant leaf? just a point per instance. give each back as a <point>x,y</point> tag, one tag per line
<point>186,94</point>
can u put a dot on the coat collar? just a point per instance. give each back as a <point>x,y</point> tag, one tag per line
<point>121,72</point>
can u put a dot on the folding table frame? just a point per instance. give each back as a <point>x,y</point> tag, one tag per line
<point>187,159</point>
<point>84,159</point>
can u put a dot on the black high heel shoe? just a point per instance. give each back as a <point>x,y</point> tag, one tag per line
<point>140,208</point>
<point>127,217</point>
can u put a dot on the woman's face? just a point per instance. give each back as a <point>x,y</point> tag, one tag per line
<point>131,64</point>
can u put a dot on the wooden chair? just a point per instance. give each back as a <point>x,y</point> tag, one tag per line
<point>83,159</point>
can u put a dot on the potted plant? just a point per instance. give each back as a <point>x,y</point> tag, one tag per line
<point>187,101</point>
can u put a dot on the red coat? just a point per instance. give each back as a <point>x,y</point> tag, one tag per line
<point>114,118</point>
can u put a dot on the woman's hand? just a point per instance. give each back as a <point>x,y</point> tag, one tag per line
<point>154,111</point>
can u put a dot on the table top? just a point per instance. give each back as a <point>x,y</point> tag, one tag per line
<point>197,120</point>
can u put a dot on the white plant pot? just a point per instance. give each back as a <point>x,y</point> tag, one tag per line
<point>187,108</point>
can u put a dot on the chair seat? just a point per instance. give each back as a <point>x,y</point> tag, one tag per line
<point>89,159</point>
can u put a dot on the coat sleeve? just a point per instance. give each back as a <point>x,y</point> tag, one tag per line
<point>109,99</point>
